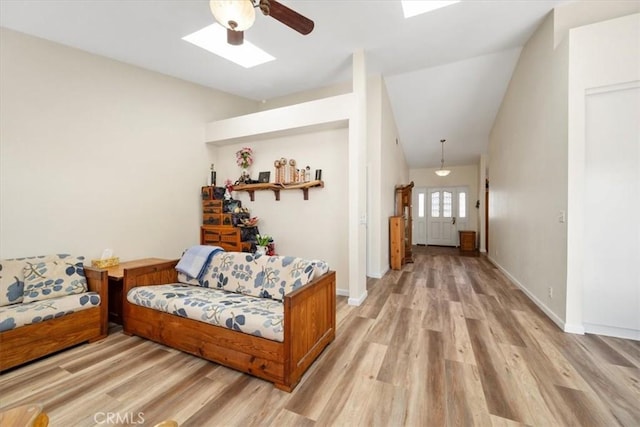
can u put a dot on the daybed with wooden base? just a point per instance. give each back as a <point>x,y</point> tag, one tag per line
<point>49,308</point>
<point>165,306</point>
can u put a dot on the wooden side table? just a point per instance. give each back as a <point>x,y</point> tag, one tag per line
<point>467,241</point>
<point>116,276</point>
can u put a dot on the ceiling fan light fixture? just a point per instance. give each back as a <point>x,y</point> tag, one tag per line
<point>235,38</point>
<point>235,15</point>
<point>442,171</point>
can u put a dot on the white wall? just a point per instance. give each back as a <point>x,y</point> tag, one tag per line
<point>375,264</point>
<point>316,228</point>
<point>537,154</point>
<point>95,153</point>
<point>528,184</point>
<point>306,96</point>
<point>604,185</point>
<point>386,168</point>
<point>381,156</point>
<point>578,13</point>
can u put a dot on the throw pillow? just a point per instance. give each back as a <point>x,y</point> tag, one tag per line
<point>53,279</point>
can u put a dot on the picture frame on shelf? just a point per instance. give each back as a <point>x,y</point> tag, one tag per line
<point>264,177</point>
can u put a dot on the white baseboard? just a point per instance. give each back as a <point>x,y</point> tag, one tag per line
<point>575,329</point>
<point>342,292</point>
<point>378,275</point>
<point>358,301</point>
<point>612,331</point>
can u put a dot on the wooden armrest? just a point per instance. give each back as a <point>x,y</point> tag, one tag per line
<point>317,282</point>
<point>97,281</point>
<point>160,273</point>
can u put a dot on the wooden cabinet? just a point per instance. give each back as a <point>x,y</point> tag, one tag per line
<point>396,242</point>
<point>225,237</point>
<point>403,209</point>
<point>220,221</point>
<point>467,241</point>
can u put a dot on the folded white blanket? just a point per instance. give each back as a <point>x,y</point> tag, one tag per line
<point>195,260</point>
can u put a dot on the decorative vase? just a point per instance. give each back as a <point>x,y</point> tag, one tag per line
<point>261,250</point>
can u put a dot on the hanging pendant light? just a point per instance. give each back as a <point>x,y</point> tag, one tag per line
<point>442,171</point>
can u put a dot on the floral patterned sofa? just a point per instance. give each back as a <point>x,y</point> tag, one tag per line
<point>269,316</point>
<point>48,303</point>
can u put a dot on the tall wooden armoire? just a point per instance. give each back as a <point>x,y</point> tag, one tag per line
<point>403,209</point>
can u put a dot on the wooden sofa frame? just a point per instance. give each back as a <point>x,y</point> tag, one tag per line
<point>30,342</point>
<point>309,326</point>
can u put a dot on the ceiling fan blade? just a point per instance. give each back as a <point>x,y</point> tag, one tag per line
<point>235,38</point>
<point>290,18</point>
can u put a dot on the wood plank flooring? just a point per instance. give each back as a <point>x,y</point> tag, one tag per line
<point>447,341</point>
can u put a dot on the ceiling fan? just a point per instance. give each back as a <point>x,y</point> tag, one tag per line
<point>238,15</point>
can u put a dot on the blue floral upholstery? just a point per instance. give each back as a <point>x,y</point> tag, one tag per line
<point>319,268</point>
<point>17,315</point>
<point>260,276</point>
<point>183,278</point>
<point>12,275</point>
<point>261,317</point>
<point>45,280</point>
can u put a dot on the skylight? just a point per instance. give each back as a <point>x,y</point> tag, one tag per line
<point>214,39</point>
<point>414,7</point>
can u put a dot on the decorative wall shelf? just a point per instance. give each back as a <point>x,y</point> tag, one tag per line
<point>276,188</point>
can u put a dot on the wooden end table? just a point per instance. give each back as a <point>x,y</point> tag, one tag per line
<point>467,242</point>
<point>116,276</point>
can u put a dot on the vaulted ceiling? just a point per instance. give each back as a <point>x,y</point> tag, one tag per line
<point>446,71</point>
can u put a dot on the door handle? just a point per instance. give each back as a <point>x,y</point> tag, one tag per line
<point>453,220</point>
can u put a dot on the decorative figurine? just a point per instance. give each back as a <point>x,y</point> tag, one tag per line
<point>292,171</point>
<point>283,165</point>
<point>278,179</point>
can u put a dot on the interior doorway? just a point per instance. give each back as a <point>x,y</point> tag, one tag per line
<point>486,217</point>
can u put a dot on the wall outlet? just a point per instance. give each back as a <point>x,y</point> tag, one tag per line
<point>550,292</point>
<point>562,217</point>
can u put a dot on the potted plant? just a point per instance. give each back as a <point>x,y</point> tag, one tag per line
<point>262,241</point>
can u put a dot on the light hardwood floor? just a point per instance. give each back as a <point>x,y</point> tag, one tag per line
<point>446,341</point>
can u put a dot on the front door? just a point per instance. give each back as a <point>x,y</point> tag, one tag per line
<point>446,214</point>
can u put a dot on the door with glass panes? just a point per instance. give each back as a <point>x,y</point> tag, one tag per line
<point>447,212</point>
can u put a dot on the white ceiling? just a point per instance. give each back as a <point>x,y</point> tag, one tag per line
<point>446,71</point>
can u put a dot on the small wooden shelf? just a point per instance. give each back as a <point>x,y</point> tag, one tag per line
<point>276,188</point>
